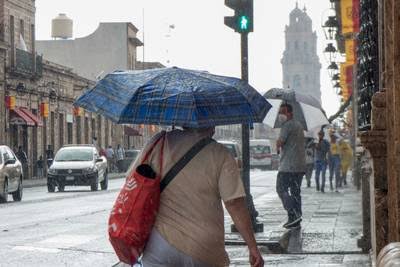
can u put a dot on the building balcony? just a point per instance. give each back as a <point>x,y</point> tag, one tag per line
<point>26,66</point>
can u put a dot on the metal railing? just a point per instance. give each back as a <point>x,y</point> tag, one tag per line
<point>25,65</point>
<point>368,61</point>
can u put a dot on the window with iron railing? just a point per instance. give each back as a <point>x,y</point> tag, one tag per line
<point>25,63</point>
<point>368,61</point>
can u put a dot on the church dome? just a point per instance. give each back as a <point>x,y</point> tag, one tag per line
<point>300,19</point>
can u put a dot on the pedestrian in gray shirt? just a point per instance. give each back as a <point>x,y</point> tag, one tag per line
<point>291,146</point>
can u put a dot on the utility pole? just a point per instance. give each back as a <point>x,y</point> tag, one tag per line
<point>242,22</point>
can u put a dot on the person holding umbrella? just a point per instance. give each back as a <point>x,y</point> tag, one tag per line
<point>291,146</point>
<point>189,229</point>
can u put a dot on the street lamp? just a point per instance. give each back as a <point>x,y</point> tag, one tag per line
<point>336,77</point>
<point>331,51</point>
<point>330,27</point>
<point>333,69</point>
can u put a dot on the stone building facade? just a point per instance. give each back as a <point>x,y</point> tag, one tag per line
<point>300,62</point>
<point>34,83</point>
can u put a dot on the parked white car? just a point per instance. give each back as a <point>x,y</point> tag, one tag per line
<point>10,175</point>
<point>260,154</point>
<point>234,148</point>
<point>77,165</point>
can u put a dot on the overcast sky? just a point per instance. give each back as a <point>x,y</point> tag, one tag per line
<point>200,39</point>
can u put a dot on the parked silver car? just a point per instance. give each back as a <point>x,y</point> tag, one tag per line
<point>77,165</point>
<point>10,175</point>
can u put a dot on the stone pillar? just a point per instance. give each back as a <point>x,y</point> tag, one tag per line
<point>375,142</point>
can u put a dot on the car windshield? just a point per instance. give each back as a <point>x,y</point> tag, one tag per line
<point>231,148</point>
<point>259,149</point>
<point>81,154</point>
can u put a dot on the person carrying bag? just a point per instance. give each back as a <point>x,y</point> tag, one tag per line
<point>135,210</point>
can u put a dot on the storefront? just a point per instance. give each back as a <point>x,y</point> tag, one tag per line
<point>23,125</point>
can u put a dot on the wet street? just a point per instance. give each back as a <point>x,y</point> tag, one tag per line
<point>70,228</point>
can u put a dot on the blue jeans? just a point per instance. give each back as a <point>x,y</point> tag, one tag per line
<point>320,168</point>
<point>334,169</point>
<point>288,187</point>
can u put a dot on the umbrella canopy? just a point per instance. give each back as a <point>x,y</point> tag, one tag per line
<point>306,109</point>
<point>174,96</point>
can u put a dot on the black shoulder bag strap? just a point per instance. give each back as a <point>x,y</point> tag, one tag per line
<point>183,161</point>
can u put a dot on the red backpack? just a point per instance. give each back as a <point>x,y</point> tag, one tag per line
<point>135,210</point>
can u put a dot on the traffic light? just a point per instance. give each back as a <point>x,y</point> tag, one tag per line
<point>242,20</point>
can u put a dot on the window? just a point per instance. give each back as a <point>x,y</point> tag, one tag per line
<point>33,37</point>
<point>12,40</point>
<point>296,45</point>
<point>10,154</point>
<point>22,28</point>
<point>296,81</point>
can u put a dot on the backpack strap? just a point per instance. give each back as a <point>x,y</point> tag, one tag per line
<point>183,161</point>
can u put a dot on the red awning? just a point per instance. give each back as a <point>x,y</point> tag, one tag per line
<point>18,117</point>
<point>33,117</point>
<point>131,131</point>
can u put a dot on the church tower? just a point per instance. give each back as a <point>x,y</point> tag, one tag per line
<point>300,62</point>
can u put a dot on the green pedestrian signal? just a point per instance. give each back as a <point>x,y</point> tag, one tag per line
<point>242,20</point>
<point>244,23</point>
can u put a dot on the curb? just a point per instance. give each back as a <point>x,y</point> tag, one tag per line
<point>30,183</point>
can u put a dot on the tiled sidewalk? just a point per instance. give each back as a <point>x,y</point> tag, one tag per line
<point>330,228</point>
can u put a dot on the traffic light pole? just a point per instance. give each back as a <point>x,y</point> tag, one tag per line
<point>257,227</point>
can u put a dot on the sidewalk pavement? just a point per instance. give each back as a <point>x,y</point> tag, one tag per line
<point>28,183</point>
<point>332,223</point>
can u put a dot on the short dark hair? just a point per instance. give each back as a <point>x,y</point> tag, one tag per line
<point>288,107</point>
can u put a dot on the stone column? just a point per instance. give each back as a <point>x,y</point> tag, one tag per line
<point>375,142</point>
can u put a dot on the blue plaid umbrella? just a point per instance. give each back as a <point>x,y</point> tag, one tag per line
<point>174,96</point>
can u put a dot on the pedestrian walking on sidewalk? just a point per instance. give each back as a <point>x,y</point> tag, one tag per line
<point>309,160</point>
<point>334,162</point>
<point>322,150</point>
<point>22,157</point>
<point>120,155</point>
<point>110,155</point>
<point>346,157</point>
<point>40,167</point>
<point>49,156</point>
<point>291,146</point>
<point>189,229</point>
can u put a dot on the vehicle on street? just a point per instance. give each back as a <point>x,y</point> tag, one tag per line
<point>77,165</point>
<point>130,156</point>
<point>11,174</point>
<point>234,148</point>
<point>260,154</point>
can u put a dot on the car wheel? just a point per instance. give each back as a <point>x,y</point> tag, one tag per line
<point>17,195</point>
<point>4,197</point>
<point>104,183</point>
<point>95,185</point>
<point>61,188</point>
<point>51,187</point>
